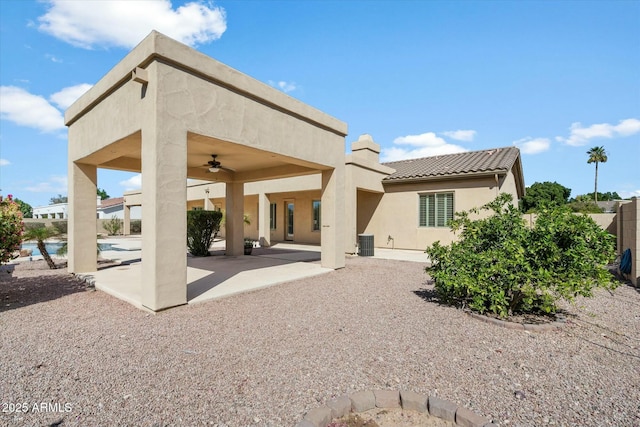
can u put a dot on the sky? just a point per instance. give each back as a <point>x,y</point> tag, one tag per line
<point>554,78</point>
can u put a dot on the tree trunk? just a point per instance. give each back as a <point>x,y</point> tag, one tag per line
<point>595,193</point>
<point>45,255</point>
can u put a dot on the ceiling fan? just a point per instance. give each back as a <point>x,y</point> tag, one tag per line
<point>215,166</point>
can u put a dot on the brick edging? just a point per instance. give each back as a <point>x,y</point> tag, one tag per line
<point>393,399</point>
<point>532,327</point>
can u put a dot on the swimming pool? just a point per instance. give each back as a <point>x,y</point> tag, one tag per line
<point>52,247</point>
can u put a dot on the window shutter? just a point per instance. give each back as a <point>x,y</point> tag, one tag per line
<point>423,211</point>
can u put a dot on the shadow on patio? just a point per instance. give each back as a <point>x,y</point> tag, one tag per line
<point>218,275</point>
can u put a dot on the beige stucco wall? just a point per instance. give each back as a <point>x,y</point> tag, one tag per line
<point>396,214</point>
<point>629,235</point>
<point>179,103</point>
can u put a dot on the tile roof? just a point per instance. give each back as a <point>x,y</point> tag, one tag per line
<point>453,165</point>
<point>107,203</point>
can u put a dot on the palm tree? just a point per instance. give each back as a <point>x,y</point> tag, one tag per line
<point>597,155</point>
<point>40,234</point>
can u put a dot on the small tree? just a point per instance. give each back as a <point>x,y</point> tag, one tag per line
<point>40,234</point>
<point>113,226</point>
<point>103,194</point>
<point>202,228</point>
<point>58,199</point>
<point>11,228</point>
<point>25,208</point>
<point>501,266</point>
<point>544,193</point>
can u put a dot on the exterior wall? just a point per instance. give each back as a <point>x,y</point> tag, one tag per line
<point>111,211</point>
<point>394,222</point>
<point>303,216</point>
<point>629,236</point>
<point>57,211</point>
<point>301,190</point>
<point>606,221</point>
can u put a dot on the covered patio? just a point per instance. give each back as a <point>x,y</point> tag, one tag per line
<point>164,110</point>
<point>212,277</point>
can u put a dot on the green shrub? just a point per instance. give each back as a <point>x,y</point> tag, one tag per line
<point>34,225</point>
<point>11,227</point>
<point>61,226</point>
<point>113,226</point>
<point>585,207</point>
<point>202,228</point>
<point>501,266</point>
<point>135,226</point>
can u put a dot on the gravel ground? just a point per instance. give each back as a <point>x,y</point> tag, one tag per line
<point>265,358</point>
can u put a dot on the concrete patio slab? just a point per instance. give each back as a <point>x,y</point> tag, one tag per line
<point>219,276</point>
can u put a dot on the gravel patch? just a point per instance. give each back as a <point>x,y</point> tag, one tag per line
<point>267,357</point>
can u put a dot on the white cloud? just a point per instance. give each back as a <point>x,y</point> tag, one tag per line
<point>124,23</point>
<point>56,184</point>
<point>628,127</point>
<point>530,145</point>
<point>460,135</point>
<point>25,109</point>
<point>67,96</point>
<point>582,135</point>
<point>53,58</point>
<point>627,194</point>
<point>286,87</point>
<point>4,162</point>
<point>423,145</point>
<point>133,183</point>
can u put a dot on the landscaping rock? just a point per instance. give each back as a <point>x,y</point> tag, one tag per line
<point>387,398</point>
<point>468,418</point>
<point>362,401</point>
<point>442,409</point>
<point>319,417</point>
<point>412,401</point>
<point>305,423</point>
<point>340,406</point>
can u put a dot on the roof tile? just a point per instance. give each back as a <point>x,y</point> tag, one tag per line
<point>451,165</point>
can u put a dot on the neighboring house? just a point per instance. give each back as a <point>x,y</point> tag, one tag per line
<point>105,209</point>
<point>405,204</point>
<point>610,206</point>
<point>55,211</point>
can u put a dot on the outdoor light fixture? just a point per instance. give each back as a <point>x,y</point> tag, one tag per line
<point>214,169</point>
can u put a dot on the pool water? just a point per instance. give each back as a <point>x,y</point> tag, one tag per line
<point>53,247</point>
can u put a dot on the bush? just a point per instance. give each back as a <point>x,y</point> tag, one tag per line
<point>135,226</point>
<point>11,228</point>
<point>585,207</point>
<point>500,266</point>
<point>61,226</point>
<point>113,226</point>
<point>34,225</point>
<point>202,228</point>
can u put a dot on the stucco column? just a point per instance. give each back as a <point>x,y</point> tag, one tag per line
<point>333,225</point>
<point>351,212</point>
<point>234,218</point>
<point>127,220</point>
<point>164,206</point>
<point>264,223</point>
<point>208,206</point>
<point>82,225</point>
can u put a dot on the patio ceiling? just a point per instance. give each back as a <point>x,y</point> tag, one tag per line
<point>248,164</point>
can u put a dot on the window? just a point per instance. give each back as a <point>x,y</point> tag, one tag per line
<point>197,208</point>
<point>272,216</point>
<point>436,210</point>
<point>316,215</point>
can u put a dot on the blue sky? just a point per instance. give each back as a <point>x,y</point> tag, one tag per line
<point>554,78</point>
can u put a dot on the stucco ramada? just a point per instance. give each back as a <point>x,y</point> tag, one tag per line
<point>166,108</point>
